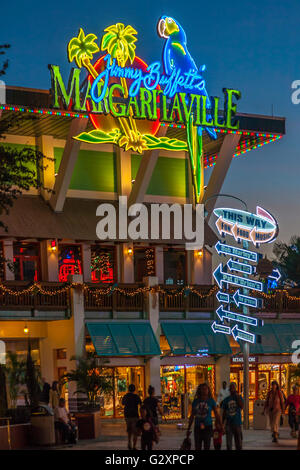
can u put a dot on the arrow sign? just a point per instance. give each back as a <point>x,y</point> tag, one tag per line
<point>228,250</point>
<point>243,335</point>
<point>258,228</point>
<point>222,277</point>
<point>223,297</point>
<point>222,313</point>
<point>217,328</point>
<point>275,274</point>
<point>241,267</point>
<point>241,299</point>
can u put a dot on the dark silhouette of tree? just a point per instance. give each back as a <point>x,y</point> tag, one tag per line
<point>288,259</point>
<point>3,396</point>
<point>31,380</point>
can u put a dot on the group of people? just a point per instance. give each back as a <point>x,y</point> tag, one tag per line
<point>50,395</point>
<point>141,418</point>
<point>276,404</point>
<point>228,420</point>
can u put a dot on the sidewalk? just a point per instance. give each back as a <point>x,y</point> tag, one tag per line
<point>114,438</point>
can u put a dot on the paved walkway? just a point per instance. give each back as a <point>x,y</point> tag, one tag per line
<point>114,438</point>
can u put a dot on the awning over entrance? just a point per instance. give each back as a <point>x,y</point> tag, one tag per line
<point>123,339</point>
<point>193,338</point>
<point>276,338</point>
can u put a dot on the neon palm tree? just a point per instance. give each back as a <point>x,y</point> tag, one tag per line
<point>82,49</point>
<point>119,41</point>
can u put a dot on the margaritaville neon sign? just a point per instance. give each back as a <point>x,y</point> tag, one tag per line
<point>128,100</point>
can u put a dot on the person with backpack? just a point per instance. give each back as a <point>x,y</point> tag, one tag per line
<point>293,404</point>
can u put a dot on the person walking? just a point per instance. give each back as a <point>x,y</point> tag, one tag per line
<point>152,405</point>
<point>293,404</point>
<point>223,393</point>
<point>54,395</point>
<point>146,428</point>
<point>232,406</point>
<point>131,402</point>
<point>275,406</point>
<point>202,408</point>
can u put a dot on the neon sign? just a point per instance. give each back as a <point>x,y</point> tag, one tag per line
<point>128,100</point>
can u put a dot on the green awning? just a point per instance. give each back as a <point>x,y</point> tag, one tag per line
<point>276,338</point>
<point>192,338</point>
<point>123,339</point>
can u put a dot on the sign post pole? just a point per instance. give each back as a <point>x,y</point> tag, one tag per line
<point>246,347</point>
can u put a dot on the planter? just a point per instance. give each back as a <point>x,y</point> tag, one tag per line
<point>19,436</point>
<point>89,424</point>
<point>42,430</point>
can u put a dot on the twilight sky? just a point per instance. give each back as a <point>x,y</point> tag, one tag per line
<point>253,46</point>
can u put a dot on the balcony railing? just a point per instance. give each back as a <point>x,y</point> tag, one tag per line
<point>19,295</point>
<point>192,299</point>
<point>125,298</point>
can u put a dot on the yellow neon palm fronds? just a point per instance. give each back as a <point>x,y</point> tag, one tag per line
<point>82,48</point>
<point>119,42</point>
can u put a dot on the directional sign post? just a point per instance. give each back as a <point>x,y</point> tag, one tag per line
<point>247,228</point>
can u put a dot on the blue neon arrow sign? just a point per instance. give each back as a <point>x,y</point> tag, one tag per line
<point>240,267</point>
<point>276,274</point>
<point>241,299</point>
<point>224,297</point>
<point>222,313</point>
<point>222,277</point>
<point>217,328</point>
<point>228,250</point>
<point>243,335</point>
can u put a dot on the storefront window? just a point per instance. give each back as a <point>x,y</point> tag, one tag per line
<point>144,263</point>
<point>179,385</point>
<point>103,264</point>
<point>122,377</point>
<point>174,267</point>
<point>26,261</point>
<point>69,261</point>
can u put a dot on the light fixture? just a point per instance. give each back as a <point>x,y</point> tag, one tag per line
<point>200,253</point>
<point>26,329</point>
<point>130,251</point>
<point>53,245</point>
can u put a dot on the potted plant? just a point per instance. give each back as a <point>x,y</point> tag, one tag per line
<point>92,382</point>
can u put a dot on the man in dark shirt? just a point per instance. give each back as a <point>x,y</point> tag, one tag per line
<point>131,402</point>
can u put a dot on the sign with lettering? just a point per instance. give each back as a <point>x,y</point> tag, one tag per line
<point>128,100</point>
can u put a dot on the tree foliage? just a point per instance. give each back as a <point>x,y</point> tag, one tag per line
<point>288,259</point>
<point>20,167</point>
<point>92,380</point>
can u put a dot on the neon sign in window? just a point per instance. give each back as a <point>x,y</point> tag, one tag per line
<point>69,262</point>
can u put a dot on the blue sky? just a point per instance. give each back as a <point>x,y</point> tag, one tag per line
<point>249,45</point>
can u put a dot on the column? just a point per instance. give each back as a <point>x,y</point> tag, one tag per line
<point>126,263</point>
<point>8,253</point>
<point>159,264</point>
<point>86,262</point>
<point>222,371</point>
<point>152,369</point>
<point>45,146</point>
<point>77,308</point>
<point>49,261</point>
<point>201,267</point>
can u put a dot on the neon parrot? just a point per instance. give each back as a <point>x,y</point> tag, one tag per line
<point>177,56</point>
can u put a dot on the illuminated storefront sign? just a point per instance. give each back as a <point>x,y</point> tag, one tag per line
<point>128,100</point>
<point>248,228</point>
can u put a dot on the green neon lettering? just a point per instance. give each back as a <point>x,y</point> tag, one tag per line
<point>60,91</point>
<point>122,107</point>
<point>145,104</point>
<point>230,107</point>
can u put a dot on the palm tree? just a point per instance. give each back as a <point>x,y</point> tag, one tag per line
<point>15,371</point>
<point>91,379</point>
<point>82,49</point>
